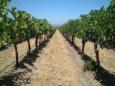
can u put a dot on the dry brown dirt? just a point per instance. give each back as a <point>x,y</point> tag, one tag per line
<point>107,56</point>
<point>60,65</point>
<point>7,56</point>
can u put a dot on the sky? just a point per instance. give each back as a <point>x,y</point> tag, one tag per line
<point>58,11</point>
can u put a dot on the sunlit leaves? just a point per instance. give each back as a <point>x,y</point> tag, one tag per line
<point>97,26</point>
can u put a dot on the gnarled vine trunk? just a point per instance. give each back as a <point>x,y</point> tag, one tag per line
<point>83,46</point>
<point>29,47</point>
<point>16,54</point>
<point>73,39</point>
<point>97,58</point>
<point>36,42</point>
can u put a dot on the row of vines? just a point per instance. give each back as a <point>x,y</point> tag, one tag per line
<point>98,26</point>
<point>21,26</point>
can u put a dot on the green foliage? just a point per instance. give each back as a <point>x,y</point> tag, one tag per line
<point>97,26</point>
<point>3,22</point>
<point>89,65</point>
<point>21,26</point>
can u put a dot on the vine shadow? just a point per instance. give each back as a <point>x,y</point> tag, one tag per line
<point>11,78</point>
<point>105,77</point>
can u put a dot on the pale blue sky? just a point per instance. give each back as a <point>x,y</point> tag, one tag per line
<point>58,11</point>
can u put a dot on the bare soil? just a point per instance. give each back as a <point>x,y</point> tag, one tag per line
<point>60,65</point>
<point>7,56</point>
<point>57,64</point>
<point>107,56</point>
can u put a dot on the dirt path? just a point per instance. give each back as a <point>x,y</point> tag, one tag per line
<point>60,65</point>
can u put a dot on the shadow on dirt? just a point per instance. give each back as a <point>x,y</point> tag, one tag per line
<point>11,79</point>
<point>3,48</point>
<point>105,77</point>
<point>31,58</point>
<point>15,76</point>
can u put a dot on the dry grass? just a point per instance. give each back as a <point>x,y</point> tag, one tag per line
<point>7,56</point>
<point>58,66</point>
<point>107,56</point>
